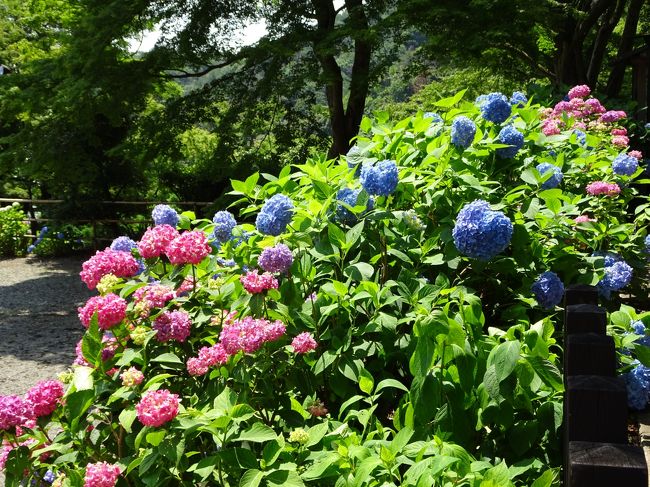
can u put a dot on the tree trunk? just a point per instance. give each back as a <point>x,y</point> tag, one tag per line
<point>615,81</point>
<point>613,15</point>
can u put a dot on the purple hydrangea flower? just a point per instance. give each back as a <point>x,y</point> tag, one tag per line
<point>495,107</point>
<point>123,244</point>
<point>275,215</point>
<point>625,165</point>
<point>463,131</point>
<point>276,259</point>
<point>224,222</point>
<point>511,136</point>
<point>556,175</point>
<point>480,232</point>
<point>380,178</point>
<point>165,215</point>
<point>548,290</point>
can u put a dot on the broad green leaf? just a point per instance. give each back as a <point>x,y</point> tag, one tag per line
<point>366,382</point>
<point>126,418</point>
<point>504,358</point>
<point>251,478</point>
<point>258,433</point>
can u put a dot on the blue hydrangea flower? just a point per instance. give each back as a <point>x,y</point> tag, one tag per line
<point>511,136</point>
<point>581,137</point>
<point>225,262</point>
<point>548,290</point>
<point>647,126</point>
<point>617,276</point>
<point>556,176</point>
<point>350,197</point>
<point>647,243</point>
<point>610,257</point>
<point>625,165</point>
<point>463,131</point>
<point>435,118</point>
<point>43,231</point>
<point>380,178</point>
<point>639,329</point>
<point>49,477</point>
<point>275,215</point>
<point>123,244</point>
<point>638,385</point>
<point>480,232</point>
<point>165,215</point>
<point>518,99</point>
<point>495,107</point>
<point>224,222</point>
<point>60,235</point>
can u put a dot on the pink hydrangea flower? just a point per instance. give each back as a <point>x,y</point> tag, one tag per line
<point>636,154</point>
<point>172,325</point>
<point>550,127</point>
<point>110,346</point>
<point>620,141</point>
<point>45,396</point>
<point>110,309</point>
<point>612,116</point>
<point>249,334</point>
<point>601,187</point>
<point>186,286</point>
<point>155,295</point>
<point>131,377</point>
<point>303,343</point>
<point>619,131</point>
<point>580,126</point>
<point>101,474</point>
<point>214,355</point>
<point>155,240</point>
<point>256,283</point>
<point>583,219</point>
<point>14,411</point>
<point>195,366</point>
<point>580,91</point>
<point>80,359</point>
<point>120,264</point>
<point>560,107</point>
<point>595,106</point>
<point>188,248</point>
<point>157,407</point>
<point>5,450</point>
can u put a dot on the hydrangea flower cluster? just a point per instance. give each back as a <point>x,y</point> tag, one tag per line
<point>276,259</point>
<point>249,334</point>
<point>583,219</point>
<point>303,343</point>
<point>155,240</point>
<point>107,283</point>
<point>463,131</point>
<point>434,117</point>
<point>581,137</point>
<point>600,187</point>
<point>123,244</point>
<point>625,165</point>
<point>556,175</point>
<point>480,232</point>
<point>14,411</point>
<point>157,407</point>
<point>612,116</point>
<point>380,178</point>
<point>518,99</point>
<point>131,377</point>
<point>495,107</point>
<point>224,223</point>
<point>208,357</point>
<point>350,197</point>
<point>120,264</point>
<point>617,276</point>
<point>580,91</point>
<point>275,215</point>
<point>639,328</point>
<point>512,137</point>
<point>154,295</point>
<point>101,474</point>
<point>165,215</point>
<point>256,283</point>
<point>548,290</point>
<point>172,325</point>
<point>44,397</point>
<point>413,221</point>
<point>110,309</point>
<point>188,248</point>
<point>637,382</point>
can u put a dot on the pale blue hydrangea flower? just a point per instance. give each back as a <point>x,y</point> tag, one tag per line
<point>224,222</point>
<point>495,107</point>
<point>463,131</point>
<point>625,165</point>
<point>275,215</point>
<point>556,176</point>
<point>380,178</point>
<point>165,215</point>
<point>518,99</point>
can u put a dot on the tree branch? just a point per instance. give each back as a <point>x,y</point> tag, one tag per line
<point>203,72</point>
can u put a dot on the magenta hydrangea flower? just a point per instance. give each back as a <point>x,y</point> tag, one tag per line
<point>157,407</point>
<point>620,141</point>
<point>214,355</point>
<point>14,411</point>
<point>255,283</point>
<point>188,248</point>
<point>583,219</point>
<point>612,116</point>
<point>120,264</point>
<point>276,259</point>
<point>44,397</point>
<point>303,343</point>
<point>155,295</point>
<point>172,325</point>
<point>636,154</point>
<point>132,377</point>
<point>155,240</point>
<point>601,187</point>
<point>186,286</point>
<point>101,474</point>
<point>110,309</point>
<point>580,91</point>
<point>249,334</point>
<point>196,367</point>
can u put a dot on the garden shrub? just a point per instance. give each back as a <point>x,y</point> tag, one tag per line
<point>60,240</point>
<point>13,228</point>
<point>385,319</point>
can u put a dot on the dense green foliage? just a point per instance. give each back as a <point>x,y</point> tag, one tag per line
<point>13,228</point>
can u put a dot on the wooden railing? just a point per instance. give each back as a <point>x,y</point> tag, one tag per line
<point>31,207</point>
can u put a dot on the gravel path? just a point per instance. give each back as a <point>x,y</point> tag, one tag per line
<point>39,327</point>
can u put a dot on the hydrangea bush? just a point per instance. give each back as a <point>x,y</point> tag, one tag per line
<point>382,320</point>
